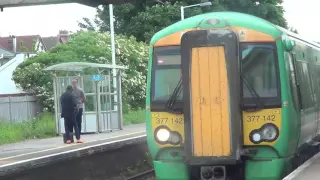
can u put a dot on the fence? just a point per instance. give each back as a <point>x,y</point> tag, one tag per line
<point>18,108</point>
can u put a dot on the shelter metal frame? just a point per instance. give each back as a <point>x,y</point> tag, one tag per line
<point>79,67</point>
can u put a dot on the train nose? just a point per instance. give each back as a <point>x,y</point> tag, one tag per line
<point>211,104</point>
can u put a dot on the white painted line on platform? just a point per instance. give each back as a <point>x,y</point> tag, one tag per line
<point>301,168</point>
<point>64,146</point>
<point>65,152</point>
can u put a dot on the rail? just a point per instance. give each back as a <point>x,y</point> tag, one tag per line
<point>141,175</point>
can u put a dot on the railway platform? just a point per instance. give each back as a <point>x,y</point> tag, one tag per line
<point>310,170</point>
<point>36,153</point>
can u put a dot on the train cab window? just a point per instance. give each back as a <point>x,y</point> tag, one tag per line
<point>260,77</point>
<point>166,72</point>
<point>305,85</point>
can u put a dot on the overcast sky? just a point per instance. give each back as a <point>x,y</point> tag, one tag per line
<point>48,20</point>
<point>304,16</point>
<point>45,20</point>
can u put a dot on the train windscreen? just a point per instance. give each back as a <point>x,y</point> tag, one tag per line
<point>166,72</point>
<point>259,74</point>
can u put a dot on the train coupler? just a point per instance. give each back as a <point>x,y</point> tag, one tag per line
<point>213,173</point>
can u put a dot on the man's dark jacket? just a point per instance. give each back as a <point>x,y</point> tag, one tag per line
<point>68,105</point>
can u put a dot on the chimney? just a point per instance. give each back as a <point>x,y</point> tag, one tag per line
<point>14,44</point>
<point>13,41</point>
<point>63,36</point>
<point>64,33</point>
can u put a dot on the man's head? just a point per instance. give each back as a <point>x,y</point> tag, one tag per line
<point>69,88</point>
<point>74,83</point>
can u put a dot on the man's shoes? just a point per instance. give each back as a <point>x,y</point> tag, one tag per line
<point>68,142</point>
<point>79,141</point>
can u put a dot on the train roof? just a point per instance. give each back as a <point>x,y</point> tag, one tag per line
<point>233,19</point>
<point>304,40</point>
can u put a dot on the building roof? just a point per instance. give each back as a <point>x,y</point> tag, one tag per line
<point>6,43</point>
<point>6,72</point>
<point>6,53</point>
<point>28,41</point>
<point>50,42</point>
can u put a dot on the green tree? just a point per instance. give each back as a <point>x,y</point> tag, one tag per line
<point>270,10</point>
<point>87,24</point>
<point>293,30</point>
<point>143,18</point>
<point>88,47</point>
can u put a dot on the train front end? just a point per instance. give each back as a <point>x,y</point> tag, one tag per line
<point>213,102</point>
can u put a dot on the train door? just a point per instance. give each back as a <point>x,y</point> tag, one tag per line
<point>211,81</point>
<point>317,82</point>
<point>308,104</point>
<point>295,91</point>
<point>315,93</point>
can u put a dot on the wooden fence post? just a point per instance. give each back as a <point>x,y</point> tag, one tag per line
<point>10,109</point>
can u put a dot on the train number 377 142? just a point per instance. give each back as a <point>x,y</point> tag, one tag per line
<point>260,118</point>
<point>169,120</point>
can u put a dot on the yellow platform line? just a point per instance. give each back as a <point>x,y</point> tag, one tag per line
<point>64,146</point>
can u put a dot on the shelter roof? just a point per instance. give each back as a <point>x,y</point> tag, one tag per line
<point>80,66</point>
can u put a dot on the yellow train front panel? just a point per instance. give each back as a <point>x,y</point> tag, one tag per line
<point>255,120</point>
<point>210,108</point>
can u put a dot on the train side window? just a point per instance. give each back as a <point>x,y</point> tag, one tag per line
<point>305,85</point>
<point>294,86</point>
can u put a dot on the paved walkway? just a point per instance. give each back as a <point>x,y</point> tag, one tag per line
<point>43,151</point>
<point>57,142</point>
<point>310,170</point>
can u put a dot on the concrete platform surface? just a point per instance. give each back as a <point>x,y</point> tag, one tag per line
<point>31,153</point>
<point>310,170</point>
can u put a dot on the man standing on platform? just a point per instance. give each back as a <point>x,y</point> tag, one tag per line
<point>80,99</point>
<point>68,113</point>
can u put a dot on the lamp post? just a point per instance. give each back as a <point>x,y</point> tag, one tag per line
<point>113,52</point>
<point>194,5</point>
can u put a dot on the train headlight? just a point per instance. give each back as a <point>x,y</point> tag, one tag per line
<point>256,137</point>
<point>163,134</point>
<point>267,133</point>
<point>175,138</point>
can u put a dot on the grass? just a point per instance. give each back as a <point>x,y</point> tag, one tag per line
<point>41,127</point>
<point>44,127</point>
<point>135,117</point>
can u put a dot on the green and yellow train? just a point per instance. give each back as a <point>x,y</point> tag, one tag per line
<point>230,96</point>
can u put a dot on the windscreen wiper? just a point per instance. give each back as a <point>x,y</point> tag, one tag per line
<point>173,98</point>
<point>254,94</point>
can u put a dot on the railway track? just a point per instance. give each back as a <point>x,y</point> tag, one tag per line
<point>146,175</point>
